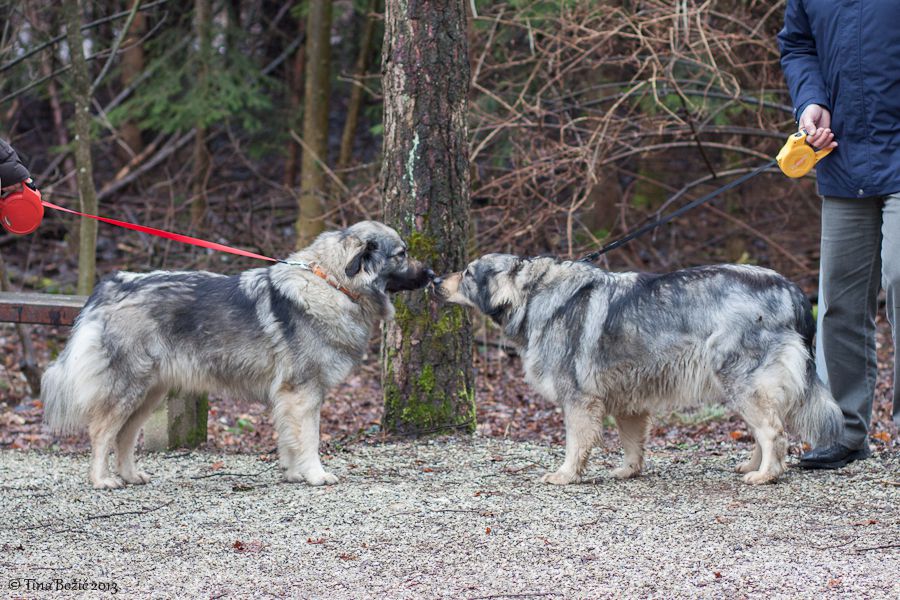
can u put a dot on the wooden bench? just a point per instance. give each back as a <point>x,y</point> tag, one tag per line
<point>40,309</point>
<point>179,422</point>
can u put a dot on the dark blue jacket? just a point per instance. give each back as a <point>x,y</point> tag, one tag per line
<point>845,55</point>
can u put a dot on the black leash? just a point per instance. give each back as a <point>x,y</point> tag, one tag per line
<point>690,206</point>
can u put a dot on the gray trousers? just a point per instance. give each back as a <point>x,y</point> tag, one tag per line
<point>860,256</point>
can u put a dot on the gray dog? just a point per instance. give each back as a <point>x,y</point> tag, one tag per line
<point>627,344</point>
<point>285,334</point>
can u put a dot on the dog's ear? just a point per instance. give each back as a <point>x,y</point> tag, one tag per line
<point>357,262</point>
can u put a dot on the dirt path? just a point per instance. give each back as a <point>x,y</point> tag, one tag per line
<point>454,519</point>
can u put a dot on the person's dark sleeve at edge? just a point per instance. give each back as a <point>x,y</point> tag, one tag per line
<point>800,61</point>
<point>12,171</point>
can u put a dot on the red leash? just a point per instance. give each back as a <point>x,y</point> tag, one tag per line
<point>185,239</point>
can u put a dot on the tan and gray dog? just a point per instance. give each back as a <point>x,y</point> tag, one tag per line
<point>629,344</point>
<point>282,334</point>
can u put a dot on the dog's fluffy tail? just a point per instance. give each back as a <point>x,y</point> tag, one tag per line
<point>817,419</point>
<point>73,382</point>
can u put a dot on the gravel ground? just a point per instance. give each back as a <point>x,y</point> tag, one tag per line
<point>450,519</point>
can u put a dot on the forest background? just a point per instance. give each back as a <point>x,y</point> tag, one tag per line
<point>259,123</point>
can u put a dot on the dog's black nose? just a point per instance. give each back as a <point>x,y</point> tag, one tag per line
<point>430,274</point>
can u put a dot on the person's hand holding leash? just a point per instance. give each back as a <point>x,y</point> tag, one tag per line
<point>16,187</point>
<point>816,122</point>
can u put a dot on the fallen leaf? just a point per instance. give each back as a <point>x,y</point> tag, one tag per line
<point>884,436</point>
<point>346,556</point>
<point>834,582</point>
<point>252,546</point>
<point>487,530</point>
<point>315,541</point>
<point>718,574</point>
<point>427,470</point>
<point>216,465</point>
<point>866,522</point>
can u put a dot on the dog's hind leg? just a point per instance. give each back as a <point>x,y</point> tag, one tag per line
<point>582,431</point>
<point>633,430</point>
<point>127,438</point>
<point>752,463</point>
<point>296,415</point>
<point>102,431</point>
<point>768,430</point>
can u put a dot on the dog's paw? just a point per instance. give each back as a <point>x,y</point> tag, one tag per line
<point>559,478</point>
<point>759,478</point>
<point>626,472</point>
<point>107,483</point>
<point>317,479</point>
<point>136,477</point>
<point>323,478</point>
<point>746,467</point>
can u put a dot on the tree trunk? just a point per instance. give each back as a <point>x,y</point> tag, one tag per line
<point>356,91</point>
<point>295,98</point>
<point>84,169</point>
<point>315,122</point>
<point>59,127</point>
<point>133,66</point>
<point>427,351</point>
<point>233,32</point>
<point>201,152</point>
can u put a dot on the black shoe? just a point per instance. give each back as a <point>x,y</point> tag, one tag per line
<point>834,456</point>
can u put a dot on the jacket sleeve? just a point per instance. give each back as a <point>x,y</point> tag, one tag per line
<point>800,60</point>
<point>12,170</point>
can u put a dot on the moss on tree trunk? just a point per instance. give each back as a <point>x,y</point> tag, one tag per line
<point>427,351</point>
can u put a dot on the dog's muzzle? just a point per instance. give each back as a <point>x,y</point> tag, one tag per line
<point>414,277</point>
<point>446,286</point>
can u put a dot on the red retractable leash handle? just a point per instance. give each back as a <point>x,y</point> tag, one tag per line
<point>21,211</point>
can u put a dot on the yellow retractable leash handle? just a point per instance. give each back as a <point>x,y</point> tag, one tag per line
<point>797,157</point>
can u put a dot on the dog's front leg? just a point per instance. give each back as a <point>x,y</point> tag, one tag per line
<point>633,431</point>
<point>296,413</point>
<point>582,430</point>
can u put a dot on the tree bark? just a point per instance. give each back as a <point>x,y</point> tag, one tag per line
<point>201,152</point>
<point>356,92</point>
<point>233,32</point>
<point>132,67</point>
<point>427,351</point>
<point>84,168</point>
<point>295,99</point>
<point>317,90</point>
<point>59,126</point>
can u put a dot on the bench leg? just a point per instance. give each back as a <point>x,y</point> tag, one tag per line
<point>179,422</point>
